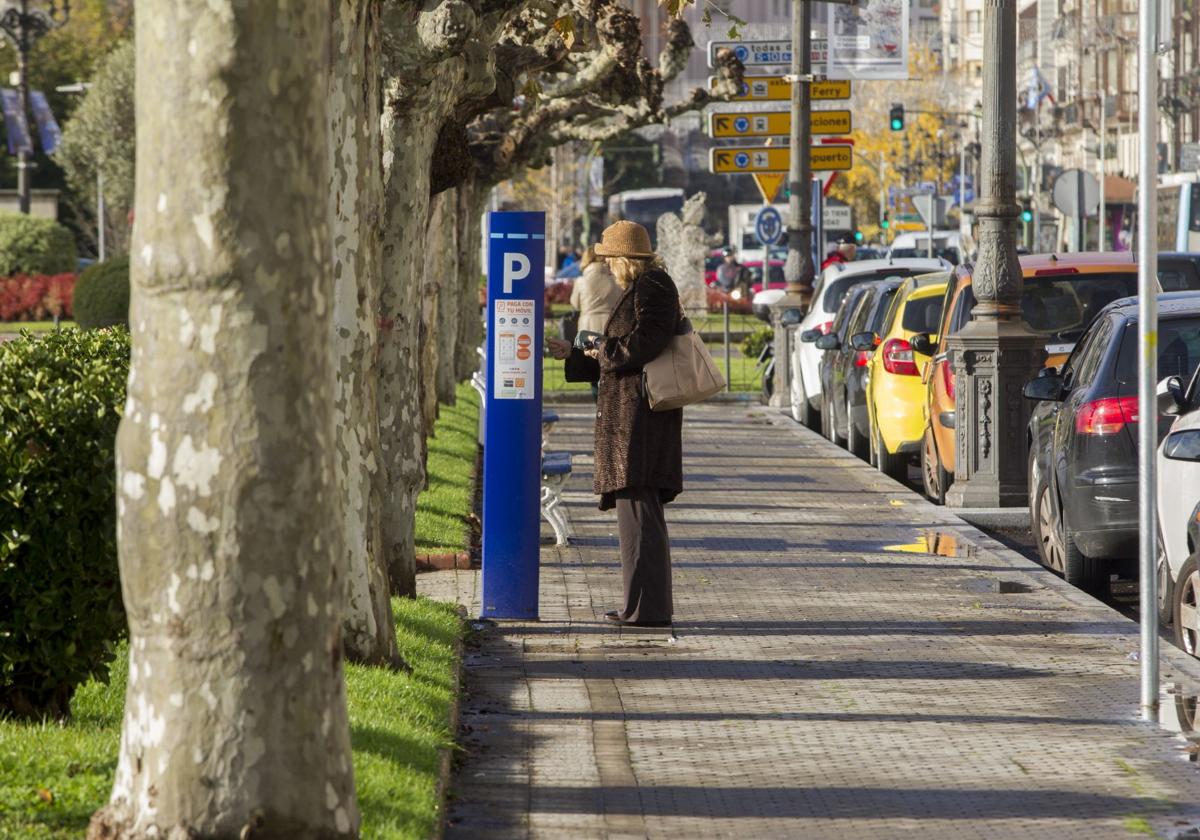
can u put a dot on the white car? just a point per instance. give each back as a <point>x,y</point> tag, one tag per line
<point>946,243</point>
<point>831,287</point>
<point>1179,512</point>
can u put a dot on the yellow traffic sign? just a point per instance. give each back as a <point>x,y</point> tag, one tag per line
<point>768,184</point>
<point>775,123</point>
<point>776,89</point>
<point>734,160</point>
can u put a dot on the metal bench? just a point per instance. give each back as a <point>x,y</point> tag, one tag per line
<point>556,469</point>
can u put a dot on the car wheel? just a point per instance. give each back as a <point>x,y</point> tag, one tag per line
<point>1186,607</point>
<point>831,429</point>
<point>856,441</point>
<point>1166,604</point>
<point>932,474</point>
<point>1079,570</point>
<point>1041,519</point>
<point>802,410</point>
<point>893,466</point>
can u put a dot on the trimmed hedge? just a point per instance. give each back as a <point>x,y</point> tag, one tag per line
<point>61,396</point>
<point>102,295</point>
<point>33,245</point>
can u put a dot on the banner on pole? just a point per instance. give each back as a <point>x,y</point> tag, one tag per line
<point>48,131</point>
<point>15,124</point>
<point>869,41</point>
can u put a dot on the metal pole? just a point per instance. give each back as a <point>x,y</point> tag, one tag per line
<point>1080,213</point>
<point>1035,186</point>
<point>100,220</point>
<point>1147,355</point>
<point>883,234</point>
<point>728,368</point>
<point>23,185</point>
<point>799,268</point>
<point>1100,219</point>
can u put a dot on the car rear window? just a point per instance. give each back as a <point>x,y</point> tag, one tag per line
<point>922,315</point>
<point>1178,277</point>
<point>947,252</point>
<point>1062,305</point>
<point>881,309</point>
<point>1178,349</point>
<point>836,290</point>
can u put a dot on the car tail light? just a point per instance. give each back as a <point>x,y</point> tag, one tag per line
<point>1107,416</point>
<point>948,378</point>
<point>898,358</point>
<point>825,328</point>
<point>862,358</point>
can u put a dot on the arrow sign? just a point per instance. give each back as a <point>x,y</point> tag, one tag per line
<point>766,53</point>
<point>777,89</point>
<point>749,160</point>
<point>775,124</point>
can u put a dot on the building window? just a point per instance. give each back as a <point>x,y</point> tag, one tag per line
<point>974,23</point>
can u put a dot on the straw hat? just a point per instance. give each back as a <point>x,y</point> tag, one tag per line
<point>625,239</point>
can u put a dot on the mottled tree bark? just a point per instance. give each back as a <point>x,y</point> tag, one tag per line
<point>443,240</point>
<point>433,287</point>
<point>355,206</point>
<point>235,716</point>
<point>472,199</point>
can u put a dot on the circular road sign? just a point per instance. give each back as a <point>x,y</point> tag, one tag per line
<point>741,125</point>
<point>741,160</point>
<point>742,53</point>
<point>768,226</point>
<point>1072,184</point>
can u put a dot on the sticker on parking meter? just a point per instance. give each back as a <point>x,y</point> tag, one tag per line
<point>513,347</point>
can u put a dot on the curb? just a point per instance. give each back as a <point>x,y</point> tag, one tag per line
<point>442,788</point>
<point>585,397</point>
<point>1020,566</point>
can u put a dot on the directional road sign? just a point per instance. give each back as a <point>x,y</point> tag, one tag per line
<point>777,89</point>
<point>766,53</point>
<point>734,160</point>
<point>768,226</point>
<point>775,123</point>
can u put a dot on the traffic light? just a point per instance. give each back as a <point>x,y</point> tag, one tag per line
<point>858,236</point>
<point>1026,212</point>
<point>885,222</point>
<point>896,116</point>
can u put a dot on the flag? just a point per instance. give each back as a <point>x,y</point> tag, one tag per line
<point>14,122</point>
<point>1037,90</point>
<point>48,131</point>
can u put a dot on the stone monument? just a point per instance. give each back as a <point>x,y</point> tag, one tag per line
<point>683,245</point>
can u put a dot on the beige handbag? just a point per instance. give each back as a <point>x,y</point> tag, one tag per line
<point>682,374</point>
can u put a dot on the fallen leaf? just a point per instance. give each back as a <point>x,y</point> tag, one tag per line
<point>45,795</point>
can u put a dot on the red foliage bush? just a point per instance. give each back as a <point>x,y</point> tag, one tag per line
<point>559,292</point>
<point>38,297</point>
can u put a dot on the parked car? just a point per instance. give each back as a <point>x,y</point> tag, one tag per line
<point>844,364</point>
<point>774,275</point>
<point>831,286</point>
<point>895,394</point>
<point>1061,293</point>
<point>828,345</point>
<point>1082,439</point>
<point>1179,512</point>
<point>1179,272</point>
<point>947,244</point>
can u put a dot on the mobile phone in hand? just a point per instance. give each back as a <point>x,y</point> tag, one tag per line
<point>586,339</point>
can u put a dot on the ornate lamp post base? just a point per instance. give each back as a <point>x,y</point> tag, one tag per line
<point>781,393</point>
<point>993,359</point>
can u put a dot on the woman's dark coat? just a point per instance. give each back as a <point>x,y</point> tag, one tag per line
<point>635,447</point>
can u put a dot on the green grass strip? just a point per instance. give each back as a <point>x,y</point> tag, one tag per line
<point>443,506</point>
<point>16,327</point>
<point>53,776</point>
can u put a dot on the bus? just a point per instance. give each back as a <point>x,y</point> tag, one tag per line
<point>1179,212</point>
<point>644,207</point>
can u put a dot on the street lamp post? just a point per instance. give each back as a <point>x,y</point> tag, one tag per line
<point>995,353</point>
<point>23,27</point>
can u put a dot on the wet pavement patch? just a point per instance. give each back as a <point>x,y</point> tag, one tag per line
<point>940,543</point>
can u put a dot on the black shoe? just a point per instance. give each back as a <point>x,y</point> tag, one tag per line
<point>646,623</point>
<point>613,615</point>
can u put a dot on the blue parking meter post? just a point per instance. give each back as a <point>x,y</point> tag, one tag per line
<point>818,222</point>
<point>513,427</point>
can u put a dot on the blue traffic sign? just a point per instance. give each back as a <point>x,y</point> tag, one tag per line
<point>741,160</point>
<point>741,125</point>
<point>512,448</point>
<point>768,226</point>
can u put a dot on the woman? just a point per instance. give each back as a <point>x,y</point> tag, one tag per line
<point>639,452</point>
<point>595,293</point>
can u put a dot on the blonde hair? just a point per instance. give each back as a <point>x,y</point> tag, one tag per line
<point>627,269</point>
<point>589,257</point>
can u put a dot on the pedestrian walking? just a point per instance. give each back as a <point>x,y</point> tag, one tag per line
<point>595,293</point>
<point>639,452</point>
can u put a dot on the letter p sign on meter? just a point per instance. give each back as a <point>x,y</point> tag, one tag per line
<point>512,452</point>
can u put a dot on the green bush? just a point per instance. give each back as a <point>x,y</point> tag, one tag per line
<point>102,295</point>
<point>33,245</point>
<point>752,344</point>
<point>61,395</point>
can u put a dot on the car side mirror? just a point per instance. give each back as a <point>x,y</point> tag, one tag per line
<point>923,343</point>
<point>1169,396</point>
<point>791,317</point>
<point>863,341</point>
<point>810,335</point>
<point>1183,446</point>
<point>1045,386</point>
<point>828,342</point>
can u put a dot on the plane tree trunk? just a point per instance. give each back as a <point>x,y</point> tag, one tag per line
<point>235,718</point>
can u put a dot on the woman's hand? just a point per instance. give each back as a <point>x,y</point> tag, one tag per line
<point>559,348</point>
<point>592,352</point>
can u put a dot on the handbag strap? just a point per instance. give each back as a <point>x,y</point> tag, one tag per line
<point>683,325</point>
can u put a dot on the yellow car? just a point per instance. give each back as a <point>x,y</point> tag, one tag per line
<point>895,392</point>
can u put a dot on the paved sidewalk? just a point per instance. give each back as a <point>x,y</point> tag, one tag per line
<point>848,661</point>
